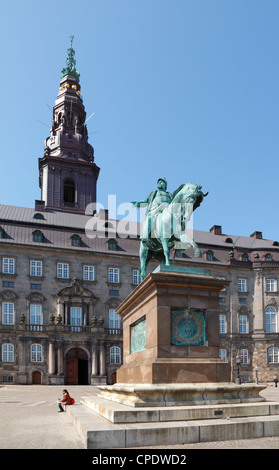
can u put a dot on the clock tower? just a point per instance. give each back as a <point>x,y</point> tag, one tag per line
<point>68,174</point>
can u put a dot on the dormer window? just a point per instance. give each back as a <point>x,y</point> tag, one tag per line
<point>39,216</point>
<point>245,257</point>
<point>38,236</point>
<point>112,244</point>
<point>2,233</point>
<point>268,257</point>
<point>76,240</point>
<point>209,255</point>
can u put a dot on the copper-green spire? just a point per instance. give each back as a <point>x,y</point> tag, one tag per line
<point>70,68</point>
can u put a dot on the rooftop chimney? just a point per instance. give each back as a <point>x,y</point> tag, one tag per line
<point>216,230</point>
<point>257,235</point>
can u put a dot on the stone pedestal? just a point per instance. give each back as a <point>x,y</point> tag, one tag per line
<point>171,329</point>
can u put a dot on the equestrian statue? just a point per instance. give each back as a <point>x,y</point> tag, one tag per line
<point>165,222</point>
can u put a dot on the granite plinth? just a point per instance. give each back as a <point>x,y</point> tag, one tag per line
<point>160,395</point>
<point>171,329</point>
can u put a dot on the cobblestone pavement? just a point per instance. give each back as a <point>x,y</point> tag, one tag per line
<point>29,420</point>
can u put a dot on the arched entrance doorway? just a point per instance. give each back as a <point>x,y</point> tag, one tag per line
<point>76,367</point>
<point>36,377</point>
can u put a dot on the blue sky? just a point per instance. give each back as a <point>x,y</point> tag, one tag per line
<point>186,89</point>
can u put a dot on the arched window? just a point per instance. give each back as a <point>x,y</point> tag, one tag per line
<point>245,257</point>
<point>38,236</point>
<point>244,356</point>
<point>268,257</point>
<point>115,355</point>
<point>8,352</point>
<point>209,255</point>
<point>273,355</point>
<point>69,192</point>
<point>76,240</point>
<point>112,244</point>
<point>36,353</point>
<point>39,216</point>
<point>223,354</point>
<point>270,320</point>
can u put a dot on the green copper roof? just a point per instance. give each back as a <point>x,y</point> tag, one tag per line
<point>70,68</point>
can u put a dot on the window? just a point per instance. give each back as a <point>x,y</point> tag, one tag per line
<point>244,356</point>
<point>245,257</point>
<point>62,271</point>
<point>88,273</point>
<point>115,355</point>
<point>36,268</point>
<point>270,320</point>
<point>36,286</point>
<point>223,354</point>
<point>8,266</point>
<point>38,236</point>
<point>8,284</point>
<point>243,324</point>
<point>273,355</point>
<point>114,321</point>
<point>113,292</point>
<point>36,353</point>
<point>270,285</point>
<point>2,232</point>
<point>242,285</point>
<point>76,240</point>
<point>112,244</point>
<point>8,352</point>
<point>222,324</point>
<point>69,192</point>
<point>209,255</point>
<point>7,379</point>
<point>136,276</point>
<point>242,300</point>
<point>76,318</point>
<point>7,313</point>
<point>113,275</point>
<point>268,257</point>
<point>39,216</point>
<point>36,319</point>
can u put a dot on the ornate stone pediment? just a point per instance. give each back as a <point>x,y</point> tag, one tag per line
<point>75,289</point>
<point>272,302</point>
<point>243,310</point>
<point>8,295</point>
<point>36,298</point>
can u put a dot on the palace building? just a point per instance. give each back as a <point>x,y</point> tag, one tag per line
<point>60,282</point>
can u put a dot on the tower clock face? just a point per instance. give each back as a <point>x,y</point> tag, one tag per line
<point>187,328</point>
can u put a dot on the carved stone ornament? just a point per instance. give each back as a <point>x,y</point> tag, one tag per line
<point>8,295</point>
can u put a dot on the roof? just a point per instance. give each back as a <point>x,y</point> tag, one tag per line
<point>58,227</point>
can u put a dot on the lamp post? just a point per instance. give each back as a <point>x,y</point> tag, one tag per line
<point>238,362</point>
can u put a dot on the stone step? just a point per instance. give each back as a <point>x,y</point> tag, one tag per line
<point>119,413</point>
<point>98,433</point>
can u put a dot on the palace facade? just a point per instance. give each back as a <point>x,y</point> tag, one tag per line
<point>64,269</point>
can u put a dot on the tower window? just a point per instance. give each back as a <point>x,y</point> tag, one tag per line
<point>69,192</point>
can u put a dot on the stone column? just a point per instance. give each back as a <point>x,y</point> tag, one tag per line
<point>60,360</point>
<point>102,359</point>
<point>22,360</point>
<point>51,359</point>
<point>94,355</point>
